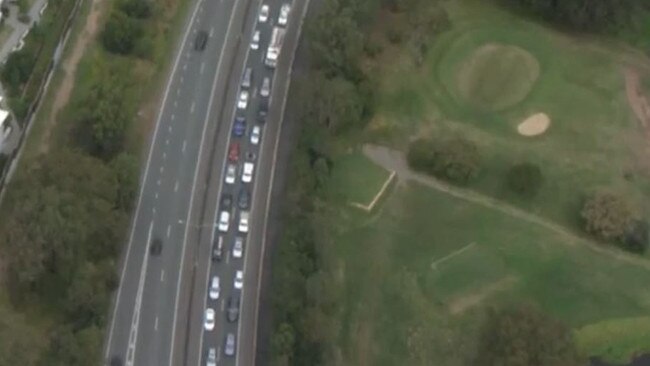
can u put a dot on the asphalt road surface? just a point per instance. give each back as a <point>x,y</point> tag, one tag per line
<point>158,311</point>
<point>201,269</point>
<point>142,327</point>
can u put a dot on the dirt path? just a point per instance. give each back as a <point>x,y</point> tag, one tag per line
<point>465,302</point>
<point>637,100</point>
<point>394,160</point>
<point>69,68</point>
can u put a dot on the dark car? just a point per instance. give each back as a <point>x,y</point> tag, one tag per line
<point>201,40</point>
<point>244,199</point>
<point>262,111</point>
<point>226,201</point>
<point>239,129</point>
<point>217,248</point>
<point>156,247</point>
<point>233,308</point>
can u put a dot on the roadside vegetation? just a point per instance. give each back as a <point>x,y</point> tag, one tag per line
<point>66,212</point>
<point>529,174</point>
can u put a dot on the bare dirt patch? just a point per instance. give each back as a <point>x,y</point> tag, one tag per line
<point>69,68</point>
<point>638,101</point>
<point>464,302</point>
<point>534,125</point>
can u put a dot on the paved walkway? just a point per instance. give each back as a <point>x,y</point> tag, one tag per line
<point>394,160</point>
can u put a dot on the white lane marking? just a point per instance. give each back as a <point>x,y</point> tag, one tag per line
<point>158,183</point>
<point>167,142</point>
<point>172,117</point>
<point>170,81</point>
<point>211,31</point>
<point>202,68</point>
<point>169,129</point>
<point>196,172</point>
<point>223,306</point>
<point>182,78</point>
<point>176,187</point>
<point>155,324</point>
<point>192,107</point>
<point>162,168</point>
<point>178,92</point>
<point>270,190</point>
<point>184,145</point>
<point>184,68</point>
<point>164,156</point>
<point>156,195</point>
<point>162,275</point>
<point>227,257</point>
<point>169,229</point>
<point>135,320</point>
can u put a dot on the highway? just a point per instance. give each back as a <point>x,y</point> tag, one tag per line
<point>157,315</point>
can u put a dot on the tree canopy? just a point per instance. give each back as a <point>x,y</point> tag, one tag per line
<point>453,158</point>
<point>522,335</point>
<point>607,215</point>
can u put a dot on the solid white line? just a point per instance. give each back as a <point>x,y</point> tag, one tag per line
<point>135,320</point>
<point>144,180</point>
<point>270,191</point>
<point>196,173</point>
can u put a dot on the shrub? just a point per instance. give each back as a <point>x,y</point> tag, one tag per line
<point>608,216</point>
<point>121,33</point>
<point>455,159</point>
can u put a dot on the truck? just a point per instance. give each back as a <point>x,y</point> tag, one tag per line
<point>275,46</point>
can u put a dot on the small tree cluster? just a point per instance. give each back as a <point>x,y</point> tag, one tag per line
<point>522,335</point>
<point>610,217</point>
<point>455,159</point>
<point>125,29</point>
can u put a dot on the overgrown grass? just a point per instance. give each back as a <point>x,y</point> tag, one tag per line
<point>615,340</point>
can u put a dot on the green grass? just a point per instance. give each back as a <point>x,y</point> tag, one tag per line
<point>354,178</point>
<point>594,140</point>
<point>390,286</point>
<point>399,309</point>
<point>615,340</point>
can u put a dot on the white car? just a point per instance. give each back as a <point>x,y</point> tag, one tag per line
<point>256,133</point>
<point>242,102</point>
<point>264,14</point>
<point>239,280</point>
<point>231,174</point>
<point>284,14</point>
<point>224,221</point>
<point>243,221</point>
<point>238,247</point>
<point>265,90</point>
<point>247,173</point>
<point>212,357</point>
<point>214,288</point>
<point>255,44</point>
<point>208,322</point>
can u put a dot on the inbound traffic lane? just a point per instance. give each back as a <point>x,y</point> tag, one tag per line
<point>144,304</point>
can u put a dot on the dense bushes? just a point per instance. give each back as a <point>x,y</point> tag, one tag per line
<point>455,159</point>
<point>522,335</point>
<point>125,29</point>
<point>525,179</point>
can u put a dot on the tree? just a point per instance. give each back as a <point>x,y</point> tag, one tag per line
<point>16,339</point>
<point>140,9</point>
<point>525,179</point>
<point>74,348</point>
<point>607,215</point>
<point>336,42</point>
<point>125,168</point>
<point>521,335</point>
<point>455,159</point>
<point>87,297</point>
<point>121,33</point>
<point>334,103</point>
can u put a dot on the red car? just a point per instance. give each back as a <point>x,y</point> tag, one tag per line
<point>233,152</point>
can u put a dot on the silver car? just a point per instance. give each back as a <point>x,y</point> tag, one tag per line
<point>212,357</point>
<point>238,247</point>
<point>229,349</point>
<point>265,90</point>
<point>231,174</point>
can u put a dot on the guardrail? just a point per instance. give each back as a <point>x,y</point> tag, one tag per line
<point>13,159</point>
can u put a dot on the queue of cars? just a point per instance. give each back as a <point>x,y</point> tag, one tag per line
<point>239,167</point>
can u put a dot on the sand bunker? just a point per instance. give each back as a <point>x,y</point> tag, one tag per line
<point>534,125</point>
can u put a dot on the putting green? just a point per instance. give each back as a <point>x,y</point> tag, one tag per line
<point>497,76</point>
